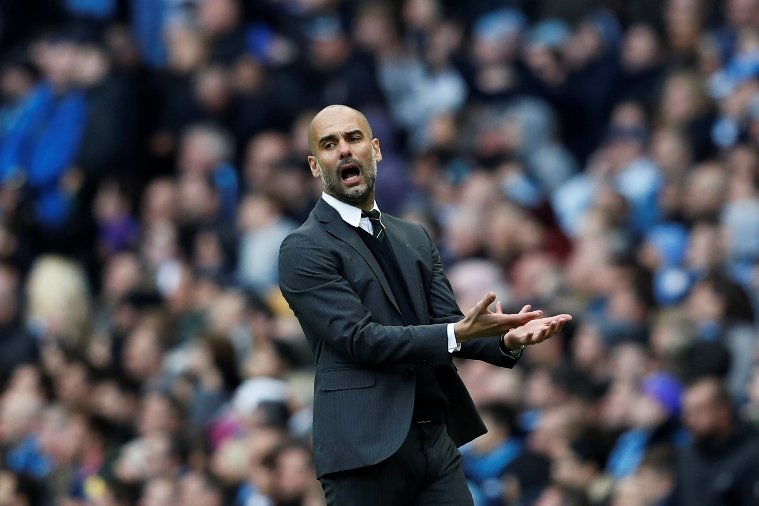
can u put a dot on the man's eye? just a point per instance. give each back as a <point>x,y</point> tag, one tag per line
<point>329,145</point>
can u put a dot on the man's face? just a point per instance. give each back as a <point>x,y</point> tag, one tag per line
<point>700,411</point>
<point>344,155</point>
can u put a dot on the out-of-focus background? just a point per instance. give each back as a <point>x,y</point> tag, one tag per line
<point>584,156</point>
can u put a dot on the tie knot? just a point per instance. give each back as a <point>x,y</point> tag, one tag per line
<point>374,214</point>
<point>374,218</point>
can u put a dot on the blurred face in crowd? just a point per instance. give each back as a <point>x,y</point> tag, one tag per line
<point>144,458</point>
<point>648,412</point>
<point>753,388</point>
<point>25,378</point>
<point>213,90</point>
<point>705,191</point>
<point>344,155</point>
<point>588,348</point>
<point>628,362</point>
<point>141,356</point>
<point>705,415</point>
<point>616,406</point>
<point>15,82</point>
<point>294,473</point>
<point>671,151</point>
<point>742,12</point>
<point>198,200</point>
<point>203,148</point>
<point>373,28</point>
<point>682,98</point>
<point>159,492</point>
<point>72,385</point>
<point>550,437</point>
<point>160,201</point>
<point>111,402</point>
<point>555,495</point>
<point>18,411</point>
<point>640,49</point>
<point>8,295</point>
<point>218,16</point>
<point>195,490</point>
<point>584,45</point>
<point>185,47</point>
<point>329,51</point>
<point>654,484</point>
<point>57,59</point>
<point>264,153</point>
<point>570,471</point>
<point>157,415</point>
<point>122,273</point>
<point>92,64</point>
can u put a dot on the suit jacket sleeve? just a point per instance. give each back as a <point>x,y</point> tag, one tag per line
<point>444,309</point>
<point>330,310</point>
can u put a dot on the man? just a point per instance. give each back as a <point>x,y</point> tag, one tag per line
<point>382,322</point>
<point>719,466</point>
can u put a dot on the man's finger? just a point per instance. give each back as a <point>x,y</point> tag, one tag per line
<point>525,308</point>
<point>482,305</point>
<point>549,331</point>
<point>522,318</point>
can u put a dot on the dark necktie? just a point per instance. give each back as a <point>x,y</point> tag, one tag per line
<point>374,218</point>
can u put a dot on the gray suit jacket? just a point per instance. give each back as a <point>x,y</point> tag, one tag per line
<point>364,355</point>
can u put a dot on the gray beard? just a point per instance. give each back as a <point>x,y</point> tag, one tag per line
<point>333,186</point>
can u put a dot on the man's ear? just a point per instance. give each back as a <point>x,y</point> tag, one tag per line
<point>376,148</point>
<point>312,163</point>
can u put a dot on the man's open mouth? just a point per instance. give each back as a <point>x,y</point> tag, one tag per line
<point>350,172</point>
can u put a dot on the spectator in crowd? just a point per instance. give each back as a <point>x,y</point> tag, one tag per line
<point>722,311</point>
<point>653,423</point>
<point>109,137</point>
<point>718,466</point>
<point>262,228</point>
<point>486,459</point>
<point>580,466</point>
<point>653,482</point>
<point>17,345</point>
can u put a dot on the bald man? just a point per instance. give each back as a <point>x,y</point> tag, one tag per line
<point>382,322</point>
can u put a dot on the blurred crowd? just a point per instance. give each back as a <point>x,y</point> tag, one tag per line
<point>595,157</point>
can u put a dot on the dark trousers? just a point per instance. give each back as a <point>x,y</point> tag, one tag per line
<point>426,470</point>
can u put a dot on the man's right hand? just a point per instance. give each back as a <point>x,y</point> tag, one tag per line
<point>481,322</point>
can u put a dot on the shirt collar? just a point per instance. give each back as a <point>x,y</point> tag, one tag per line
<point>350,214</point>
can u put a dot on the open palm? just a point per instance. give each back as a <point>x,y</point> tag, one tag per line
<point>536,331</point>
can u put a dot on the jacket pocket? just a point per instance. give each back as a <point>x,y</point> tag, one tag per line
<point>343,379</point>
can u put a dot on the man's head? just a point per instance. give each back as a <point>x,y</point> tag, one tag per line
<point>344,154</point>
<point>707,410</point>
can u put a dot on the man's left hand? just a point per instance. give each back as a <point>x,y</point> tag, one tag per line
<point>535,331</point>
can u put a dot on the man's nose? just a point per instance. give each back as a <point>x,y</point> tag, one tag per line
<point>344,149</point>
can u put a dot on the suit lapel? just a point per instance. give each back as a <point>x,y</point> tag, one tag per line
<point>341,230</point>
